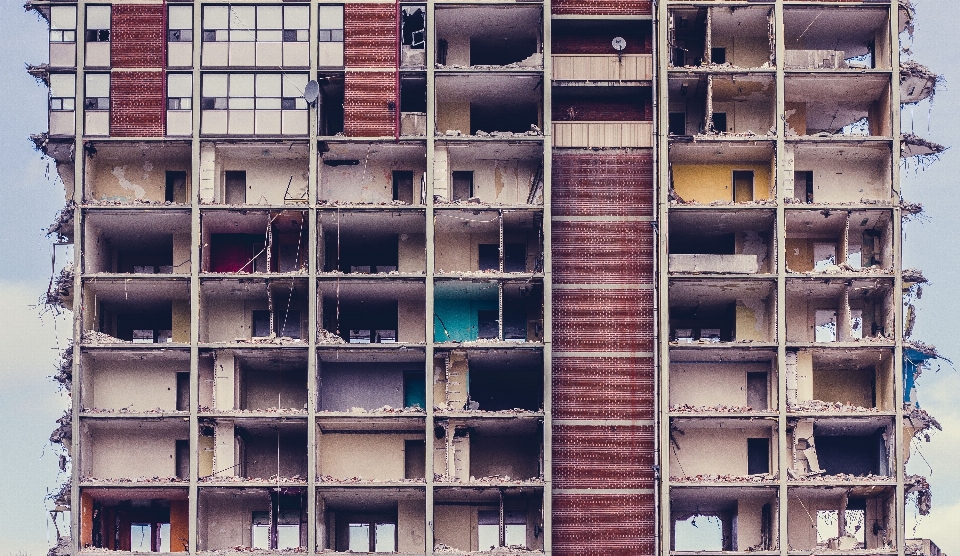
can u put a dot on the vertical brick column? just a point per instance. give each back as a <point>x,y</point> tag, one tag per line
<point>137,98</point>
<point>370,57</point>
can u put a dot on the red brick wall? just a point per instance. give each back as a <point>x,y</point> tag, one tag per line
<point>602,7</point>
<point>609,457</point>
<point>603,320</point>
<point>638,34</point>
<point>607,110</point>
<point>593,185</point>
<point>136,104</point>
<point>607,252</point>
<point>366,104</point>
<point>603,388</point>
<point>137,36</point>
<point>610,525</point>
<point>370,35</point>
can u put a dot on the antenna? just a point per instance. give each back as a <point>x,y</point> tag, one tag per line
<point>311,92</point>
<point>619,43</point>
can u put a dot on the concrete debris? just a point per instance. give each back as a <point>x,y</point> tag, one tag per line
<point>328,203</point>
<point>324,336</point>
<point>440,548</point>
<point>907,15</point>
<point>534,132</point>
<point>493,480</point>
<point>758,478</point>
<point>917,82</point>
<point>910,209</point>
<point>926,349</point>
<point>688,408</point>
<point>757,202</point>
<point>838,478</point>
<point>275,340</point>
<point>917,484</point>
<point>63,434</point>
<point>534,61</point>
<point>268,411</point>
<point>721,68</point>
<point>327,479</point>
<point>818,406</point>
<point>493,273</point>
<point>59,289</point>
<point>384,410</point>
<point>62,225</point>
<point>40,72</point>
<point>295,479</point>
<point>453,411</point>
<point>121,201</point>
<point>240,549</point>
<point>64,374</point>
<point>914,145</point>
<point>94,337</point>
<point>62,548</point>
<point>126,410</point>
<point>134,480</point>
<point>913,276</point>
<point>922,421</point>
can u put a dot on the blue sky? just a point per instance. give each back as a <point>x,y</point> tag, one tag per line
<point>30,197</point>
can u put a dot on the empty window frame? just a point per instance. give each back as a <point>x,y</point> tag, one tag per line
<point>403,186</point>
<point>288,530</point>
<point>97,93</point>
<point>98,24</point>
<point>63,91</point>
<point>462,185</point>
<point>330,36</point>
<point>63,24</point>
<point>256,23</point>
<point>413,27</point>
<point>180,24</point>
<point>150,537</point>
<point>488,529</point>
<point>179,91</point>
<point>825,326</point>
<point>371,535</point>
<point>247,91</point>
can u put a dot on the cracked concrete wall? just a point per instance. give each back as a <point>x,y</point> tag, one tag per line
<point>376,457</point>
<point>495,181</point>
<point>713,384</point>
<point>126,179</point>
<point>706,183</point>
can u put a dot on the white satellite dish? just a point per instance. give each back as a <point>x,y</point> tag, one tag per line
<point>619,43</point>
<point>311,92</point>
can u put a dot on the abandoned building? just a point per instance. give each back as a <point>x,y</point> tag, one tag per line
<point>485,276</point>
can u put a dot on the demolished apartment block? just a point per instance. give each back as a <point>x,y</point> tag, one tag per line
<point>484,277</point>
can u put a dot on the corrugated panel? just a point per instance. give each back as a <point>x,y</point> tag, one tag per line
<point>603,134</point>
<point>137,36</point>
<point>598,525</point>
<point>370,35</point>
<point>366,104</point>
<point>602,7</point>
<point>603,388</point>
<point>602,252</point>
<point>595,184</point>
<point>136,104</point>
<point>603,456</point>
<point>603,320</point>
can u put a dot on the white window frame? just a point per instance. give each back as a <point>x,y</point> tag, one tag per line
<point>179,32</point>
<point>294,27</point>
<point>257,95</point>
<point>176,99</point>
<point>61,101</point>
<point>97,103</point>
<point>63,24</point>
<point>330,28</point>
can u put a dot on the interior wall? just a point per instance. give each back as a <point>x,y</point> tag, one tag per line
<point>265,389</point>
<point>377,457</point>
<point>411,532</point>
<point>121,179</point>
<point>706,183</point>
<point>226,522</point>
<point>412,321</point>
<point>517,457</point>
<point>140,386</point>
<point>137,452</point>
<point>369,182</point>
<point>497,181</point>
<point>713,384</point>
<point>412,253</point>
<point>343,386</point>
<point>713,451</point>
<point>226,320</point>
<point>267,178</point>
<point>851,386</point>
<point>456,526</point>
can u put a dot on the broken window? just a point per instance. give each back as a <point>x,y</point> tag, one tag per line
<point>677,123</point>
<point>825,326</point>
<point>514,529</point>
<point>180,24</point>
<point>97,92</point>
<point>255,23</point>
<point>413,36</point>
<point>287,530</point>
<point>98,24</point>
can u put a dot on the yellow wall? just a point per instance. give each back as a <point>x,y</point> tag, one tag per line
<point>705,183</point>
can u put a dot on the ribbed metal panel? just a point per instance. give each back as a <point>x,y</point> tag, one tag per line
<point>603,388</point>
<point>602,252</point>
<point>603,456</point>
<point>603,320</point>
<point>603,525</point>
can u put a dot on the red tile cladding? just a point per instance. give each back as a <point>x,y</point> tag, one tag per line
<point>137,36</point>
<point>602,252</point>
<point>602,7</point>
<point>366,105</point>
<point>587,184</point>
<point>602,320</point>
<point>604,525</point>
<point>603,388</point>
<point>603,456</point>
<point>370,35</point>
<point>136,104</point>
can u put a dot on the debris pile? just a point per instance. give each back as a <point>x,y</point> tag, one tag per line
<point>498,480</point>
<point>62,225</point>
<point>133,480</point>
<point>95,337</point>
<point>440,548</point>
<point>819,406</point>
<point>269,410</point>
<point>758,478</point>
<point>361,481</point>
<point>295,479</point>
<point>62,548</point>
<point>64,374</point>
<point>273,339</point>
<point>688,408</point>
<point>58,290</point>
<point>838,478</point>
<point>156,410</point>
<point>241,549</point>
<point>451,409</point>
<point>324,336</point>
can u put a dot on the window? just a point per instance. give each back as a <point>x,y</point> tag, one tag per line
<point>718,55</point>
<point>98,24</point>
<point>825,329</point>
<point>370,536</point>
<point>150,537</point>
<point>180,24</point>
<point>330,36</point>
<point>677,123</point>
<point>403,186</point>
<point>256,23</point>
<point>413,25</point>
<point>247,91</point>
<point>97,95</point>
<point>62,91</point>
<point>288,530</point>
<point>758,456</point>
<point>63,24</point>
<point>488,529</point>
<point>719,122</point>
<point>179,91</point>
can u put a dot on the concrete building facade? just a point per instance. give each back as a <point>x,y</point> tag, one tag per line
<point>482,276</point>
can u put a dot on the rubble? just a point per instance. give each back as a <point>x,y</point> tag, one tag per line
<point>384,410</point>
<point>450,410</point>
<point>722,68</point>
<point>688,408</point>
<point>59,290</point>
<point>267,411</point>
<point>911,70</point>
<point>126,410</point>
<point>63,547</point>
<point>63,223</point>
<point>63,434</point>
<point>40,72</point>
<point>115,202</point>
<point>758,478</point>
<point>913,276</point>
<point>440,548</point>
<point>818,406</point>
<point>838,478</point>
<point>918,485</point>
<point>324,336</point>
<point>95,337</point>
<point>240,549</point>
<point>925,150</point>
<point>133,480</point>
<point>327,479</point>
<point>492,480</point>
<point>64,374</point>
<point>294,479</point>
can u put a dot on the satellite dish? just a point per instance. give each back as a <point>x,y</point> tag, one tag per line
<point>311,92</point>
<point>619,43</point>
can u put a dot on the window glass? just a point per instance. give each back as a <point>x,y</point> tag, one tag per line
<point>386,540</point>
<point>288,536</point>
<point>98,85</point>
<point>180,17</point>
<point>359,537</point>
<point>269,17</point>
<point>63,17</point>
<point>296,17</point>
<point>63,85</point>
<point>98,17</point>
<point>214,85</point>
<point>179,91</point>
<point>331,17</point>
<point>216,17</point>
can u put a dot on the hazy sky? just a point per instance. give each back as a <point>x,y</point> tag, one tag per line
<point>30,198</point>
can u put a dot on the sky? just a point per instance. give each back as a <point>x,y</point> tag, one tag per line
<point>30,196</point>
